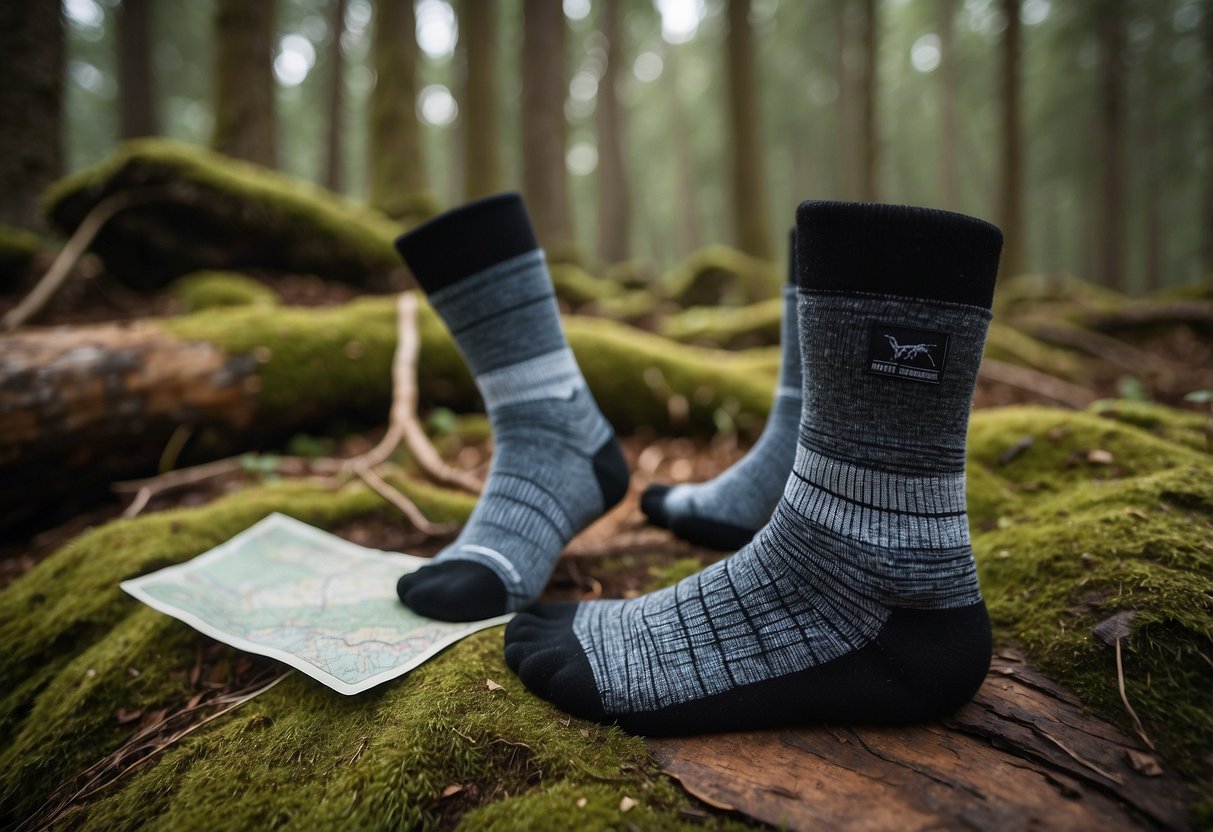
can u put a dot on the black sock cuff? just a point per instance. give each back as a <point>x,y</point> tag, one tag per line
<point>896,250</point>
<point>467,240</point>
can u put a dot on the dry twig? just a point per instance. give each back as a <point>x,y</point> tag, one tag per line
<point>1034,381</point>
<point>1124,697</point>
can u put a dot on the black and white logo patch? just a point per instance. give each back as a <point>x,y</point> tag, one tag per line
<point>914,354</point>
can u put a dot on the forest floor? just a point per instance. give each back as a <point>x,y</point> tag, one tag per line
<point>621,556</point>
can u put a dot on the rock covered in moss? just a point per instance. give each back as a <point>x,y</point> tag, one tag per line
<point>213,289</point>
<point>212,212</point>
<point>753,325</point>
<point>719,275</point>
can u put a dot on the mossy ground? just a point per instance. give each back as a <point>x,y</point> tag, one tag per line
<point>1103,514</point>
<point>1064,537</point>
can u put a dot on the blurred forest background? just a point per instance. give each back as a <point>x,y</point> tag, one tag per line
<point>645,129</point>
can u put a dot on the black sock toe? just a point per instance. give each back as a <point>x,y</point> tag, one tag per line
<point>711,534</point>
<point>551,662</point>
<point>455,590</point>
<point>652,503</point>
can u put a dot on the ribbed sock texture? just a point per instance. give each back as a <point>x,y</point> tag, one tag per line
<point>859,600</point>
<point>555,467</point>
<point>724,513</point>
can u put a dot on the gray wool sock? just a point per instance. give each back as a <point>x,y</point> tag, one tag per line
<point>724,513</point>
<point>556,466</point>
<point>859,600</point>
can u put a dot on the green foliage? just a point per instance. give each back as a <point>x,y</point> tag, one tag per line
<point>211,289</point>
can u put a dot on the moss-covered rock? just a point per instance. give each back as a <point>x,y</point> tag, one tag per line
<point>719,275</point>
<point>213,290</point>
<point>1098,516</point>
<point>17,250</point>
<point>219,213</point>
<point>1014,346</point>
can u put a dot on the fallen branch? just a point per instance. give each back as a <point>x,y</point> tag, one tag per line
<point>407,507</point>
<point>76,246</point>
<point>110,769</point>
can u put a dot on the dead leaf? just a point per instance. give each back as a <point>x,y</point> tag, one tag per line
<point>626,803</point>
<point>1136,512</point>
<point>1099,456</point>
<point>1115,628</point>
<point>124,716</point>
<point>1143,763</point>
<point>581,801</point>
<point>453,789</point>
<point>1015,450</point>
<point>195,699</point>
<point>492,686</point>
<point>585,733</point>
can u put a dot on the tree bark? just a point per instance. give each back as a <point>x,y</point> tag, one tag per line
<point>1014,259</point>
<point>684,158</point>
<point>245,125</point>
<point>136,84</point>
<point>845,170</point>
<point>750,224</point>
<point>949,190</point>
<point>334,173</point>
<point>614,190</point>
<point>397,159</point>
<point>1110,28</point>
<point>1151,177</point>
<point>544,128</point>
<point>32,52</point>
<point>1207,239</point>
<point>869,187</point>
<point>481,118</point>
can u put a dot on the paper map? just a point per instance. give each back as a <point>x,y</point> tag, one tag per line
<point>321,604</point>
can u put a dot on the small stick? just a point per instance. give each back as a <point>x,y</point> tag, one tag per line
<point>75,248</point>
<point>407,507</point>
<point>1124,697</point>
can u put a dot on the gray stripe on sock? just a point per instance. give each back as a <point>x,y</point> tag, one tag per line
<point>551,376</point>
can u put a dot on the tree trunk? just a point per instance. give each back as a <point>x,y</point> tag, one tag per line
<point>684,161</point>
<point>949,190</point>
<point>32,51</point>
<point>1152,176</point>
<point>397,161</point>
<point>1207,239</point>
<point>752,230</point>
<point>1110,27</point>
<point>334,178</point>
<point>136,86</point>
<point>846,162</point>
<point>869,188</point>
<point>1010,212</point>
<point>614,190</point>
<point>481,118</point>
<point>244,81</point>
<point>544,129</point>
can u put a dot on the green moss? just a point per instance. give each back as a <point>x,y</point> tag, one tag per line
<point>17,250</point>
<point>211,290</point>
<point>222,214</point>
<point>730,327</point>
<point>719,275</point>
<point>577,287</point>
<point>632,274</point>
<point>342,357</point>
<point>1179,426</point>
<point>1065,539</point>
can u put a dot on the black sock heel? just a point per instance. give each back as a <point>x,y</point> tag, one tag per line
<point>611,469</point>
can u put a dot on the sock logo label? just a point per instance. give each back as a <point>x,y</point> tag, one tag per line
<point>913,354</point>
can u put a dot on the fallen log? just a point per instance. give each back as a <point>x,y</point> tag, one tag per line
<point>220,213</point>
<point>1022,755</point>
<point>83,406</point>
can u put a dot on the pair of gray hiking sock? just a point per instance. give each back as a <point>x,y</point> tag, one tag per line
<point>857,600</point>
